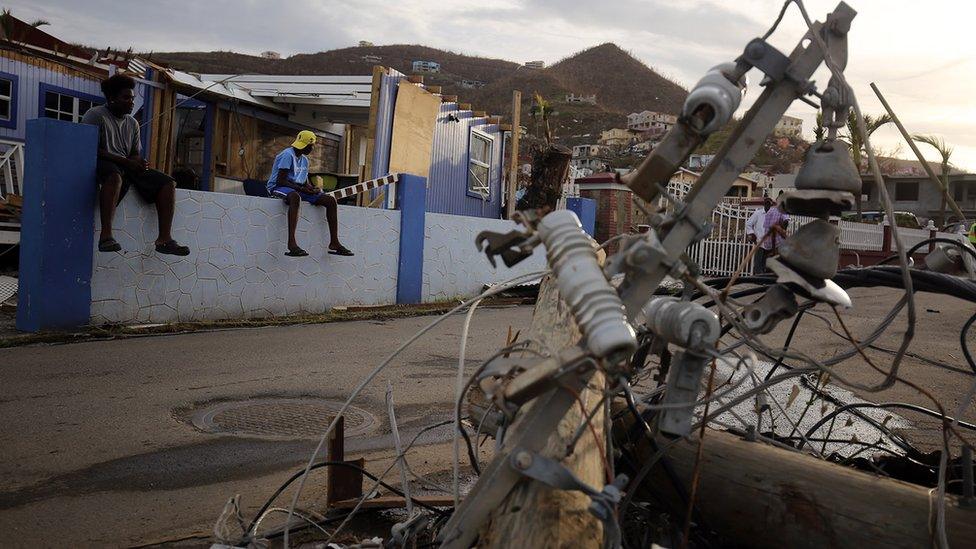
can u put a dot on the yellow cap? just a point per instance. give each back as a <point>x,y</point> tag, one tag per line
<point>304,139</point>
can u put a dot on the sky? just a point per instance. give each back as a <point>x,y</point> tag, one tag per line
<point>921,55</point>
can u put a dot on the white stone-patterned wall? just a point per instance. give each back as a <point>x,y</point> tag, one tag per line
<point>237,267</point>
<point>453,267</point>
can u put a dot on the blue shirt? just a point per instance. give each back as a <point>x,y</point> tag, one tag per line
<point>296,164</point>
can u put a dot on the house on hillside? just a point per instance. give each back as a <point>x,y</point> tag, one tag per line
<point>426,66</point>
<point>789,126</point>
<point>535,64</point>
<point>744,186</point>
<point>588,99</point>
<point>698,162</point>
<point>471,84</point>
<point>653,121</point>
<point>589,157</point>
<point>617,137</point>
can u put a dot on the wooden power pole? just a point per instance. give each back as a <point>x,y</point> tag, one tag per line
<point>514,153</point>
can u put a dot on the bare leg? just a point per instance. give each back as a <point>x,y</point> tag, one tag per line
<point>332,216</point>
<point>165,207</point>
<point>108,196</point>
<point>294,201</point>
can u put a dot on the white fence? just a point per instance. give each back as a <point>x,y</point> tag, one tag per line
<point>721,253</point>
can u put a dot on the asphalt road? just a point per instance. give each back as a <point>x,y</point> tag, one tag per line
<point>97,444</point>
<point>98,447</point>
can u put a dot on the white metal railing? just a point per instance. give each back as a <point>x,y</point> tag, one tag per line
<point>11,167</point>
<point>721,253</point>
<point>861,236</point>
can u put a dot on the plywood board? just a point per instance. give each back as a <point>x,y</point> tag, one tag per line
<point>414,117</point>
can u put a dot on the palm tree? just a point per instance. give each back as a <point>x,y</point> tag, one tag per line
<point>541,111</point>
<point>945,151</point>
<point>7,24</point>
<point>819,130</point>
<point>856,141</point>
<point>854,136</point>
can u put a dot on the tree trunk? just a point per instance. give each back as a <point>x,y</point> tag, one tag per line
<point>550,166</point>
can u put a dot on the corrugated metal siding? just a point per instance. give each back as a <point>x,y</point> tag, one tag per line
<point>447,183</point>
<point>29,79</point>
<point>384,123</point>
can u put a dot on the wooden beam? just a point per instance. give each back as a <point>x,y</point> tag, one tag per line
<point>534,515</point>
<point>494,120</point>
<point>374,107</point>
<point>757,495</point>
<point>416,79</point>
<point>480,114</point>
<point>464,106</point>
<point>513,157</point>
<point>449,98</point>
<point>505,127</point>
<point>434,89</point>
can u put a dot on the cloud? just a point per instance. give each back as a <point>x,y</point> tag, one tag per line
<point>923,59</point>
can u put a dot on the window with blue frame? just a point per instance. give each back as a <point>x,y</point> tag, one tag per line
<point>8,100</point>
<point>63,104</point>
<point>479,163</point>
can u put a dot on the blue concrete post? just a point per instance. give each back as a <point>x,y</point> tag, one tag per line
<point>585,210</point>
<point>411,199</point>
<point>57,225</point>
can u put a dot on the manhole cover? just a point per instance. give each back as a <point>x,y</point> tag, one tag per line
<point>279,418</point>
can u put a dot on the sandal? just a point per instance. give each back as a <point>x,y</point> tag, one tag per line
<point>341,250</point>
<point>109,245</point>
<point>296,252</point>
<point>172,248</point>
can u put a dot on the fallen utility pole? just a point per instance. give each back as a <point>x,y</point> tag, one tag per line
<point>762,496</point>
<point>535,515</point>
<point>918,154</point>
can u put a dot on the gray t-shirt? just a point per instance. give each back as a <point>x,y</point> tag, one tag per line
<point>116,135</point>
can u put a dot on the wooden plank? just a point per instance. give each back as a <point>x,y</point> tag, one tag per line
<point>505,127</point>
<point>513,157</point>
<point>464,106</point>
<point>433,89</point>
<point>374,106</point>
<point>415,79</point>
<point>494,120</point>
<point>758,495</point>
<point>480,114</point>
<point>449,98</point>
<point>414,117</point>
<point>535,515</point>
<point>392,502</point>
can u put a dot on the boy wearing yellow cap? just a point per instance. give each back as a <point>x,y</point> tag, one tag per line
<point>289,181</point>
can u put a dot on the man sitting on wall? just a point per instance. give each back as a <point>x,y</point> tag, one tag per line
<point>120,166</point>
<point>289,181</point>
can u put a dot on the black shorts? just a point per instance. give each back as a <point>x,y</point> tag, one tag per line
<point>147,182</point>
